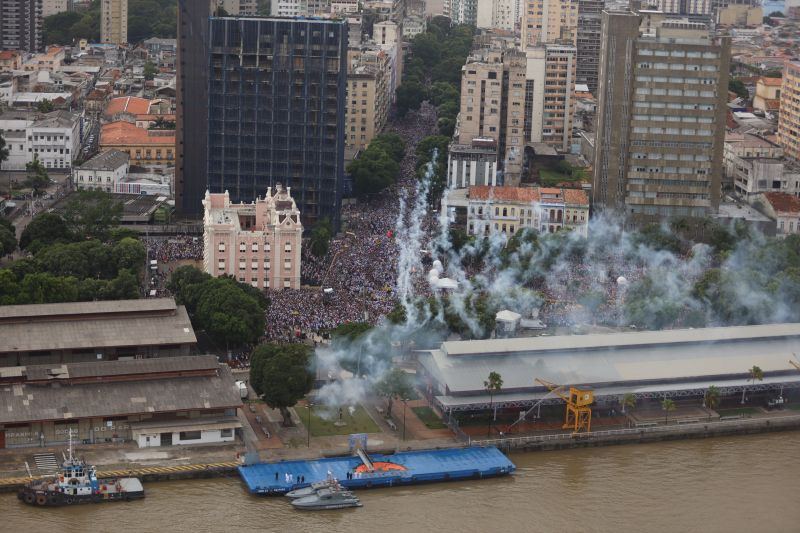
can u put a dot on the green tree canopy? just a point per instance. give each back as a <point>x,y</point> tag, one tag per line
<point>45,229</point>
<point>8,237</point>
<point>92,214</point>
<point>373,171</point>
<point>391,143</point>
<point>281,375</point>
<point>394,384</point>
<point>321,237</point>
<point>37,177</point>
<point>737,87</point>
<point>44,106</point>
<point>409,96</point>
<point>150,70</point>
<point>3,152</point>
<point>228,314</point>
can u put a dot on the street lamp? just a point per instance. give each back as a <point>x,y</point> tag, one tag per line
<point>308,427</point>
<point>405,404</point>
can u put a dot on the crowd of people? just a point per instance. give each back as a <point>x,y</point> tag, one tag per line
<point>170,249</point>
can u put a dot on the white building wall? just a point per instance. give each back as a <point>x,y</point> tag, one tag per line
<point>535,71</point>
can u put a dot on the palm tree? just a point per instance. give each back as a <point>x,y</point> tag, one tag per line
<point>493,384</point>
<point>755,374</point>
<point>667,405</point>
<point>628,400</point>
<point>711,399</point>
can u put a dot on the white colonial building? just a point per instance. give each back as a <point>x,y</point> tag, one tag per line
<point>104,171</point>
<point>53,138</point>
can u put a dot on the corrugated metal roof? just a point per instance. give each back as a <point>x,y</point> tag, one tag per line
<point>615,340</point>
<point>82,308</point>
<point>97,332</point>
<point>57,401</point>
<point>155,365</point>
<point>606,362</point>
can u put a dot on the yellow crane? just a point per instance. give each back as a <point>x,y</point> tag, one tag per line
<point>579,414</point>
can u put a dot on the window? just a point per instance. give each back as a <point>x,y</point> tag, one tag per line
<point>225,433</point>
<point>242,247</point>
<point>254,247</point>
<point>287,247</point>
<point>286,283</point>
<point>190,435</point>
<point>222,247</point>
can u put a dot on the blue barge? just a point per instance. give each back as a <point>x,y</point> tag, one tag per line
<point>363,471</point>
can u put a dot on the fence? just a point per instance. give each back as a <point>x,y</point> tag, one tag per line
<point>683,429</point>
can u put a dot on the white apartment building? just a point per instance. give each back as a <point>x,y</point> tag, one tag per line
<point>53,138</point>
<point>289,8</point>
<point>102,172</point>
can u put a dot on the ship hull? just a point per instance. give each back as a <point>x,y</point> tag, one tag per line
<point>57,499</point>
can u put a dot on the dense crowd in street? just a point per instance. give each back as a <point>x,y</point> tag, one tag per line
<point>169,249</point>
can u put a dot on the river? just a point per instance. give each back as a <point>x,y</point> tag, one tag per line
<point>746,484</point>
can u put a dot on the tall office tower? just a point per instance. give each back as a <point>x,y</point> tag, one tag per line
<point>789,119</point>
<point>53,7</point>
<point>548,21</point>
<point>21,25</point>
<point>588,42</point>
<point>276,110</point>
<point>191,118</point>
<point>660,118</point>
<point>114,21</point>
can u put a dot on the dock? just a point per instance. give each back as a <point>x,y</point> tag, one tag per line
<point>366,471</point>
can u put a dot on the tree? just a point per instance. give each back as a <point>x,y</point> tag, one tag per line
<point>150,71</point>
<point>124,287</point>
<point>37,178</point>
<point>44,106</point>
<point>712,397</point>
<point>129,254</point>
<point>3,152</point>
<point>492,385</point>
<point>373,171</point>
<point>737,87</point>
<point>667,405</point>
<point>229,315</point>
<point>754,374</point>
<point>391,143</point>
<point>394,384</point>
<point>321,237</point>
<point>92,214</point>
<point>8,237</point>
<point>44,230</point>
<point>280,374</point>
<point>160,123</point>
<point>628,400</point>
<point>409,96</point>
<point>186,283</point>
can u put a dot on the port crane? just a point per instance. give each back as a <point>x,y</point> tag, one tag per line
<point>578,400</point>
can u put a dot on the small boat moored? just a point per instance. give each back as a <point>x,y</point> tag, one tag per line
<point>326,499</point>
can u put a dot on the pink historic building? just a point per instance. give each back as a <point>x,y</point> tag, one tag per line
<point>257,243</point>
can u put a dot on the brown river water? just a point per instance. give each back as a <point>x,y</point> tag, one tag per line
<point>747,484</point>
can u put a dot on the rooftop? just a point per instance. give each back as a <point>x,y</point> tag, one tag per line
<point>125,133</point>
<point>782,202</point>
<point>771,82</point>
<point>25,402</point>
<point>94,325</point>
<point>108,160</point>
<point>127,104</point>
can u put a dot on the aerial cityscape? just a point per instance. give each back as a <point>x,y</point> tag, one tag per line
<point>411,264</point>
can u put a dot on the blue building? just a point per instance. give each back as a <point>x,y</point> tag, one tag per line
<point>276,110</point>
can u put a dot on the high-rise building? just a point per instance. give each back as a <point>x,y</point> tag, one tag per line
<point>588,42</point>
<point>548,21</point>
<point>464,11</point>
<point>369,97</point>
<point>276,110</point>
<point>21,25</point>
<point>114,21</point>
<point>660,118</point>
<point>498,14</point>
<point>789,120</point>
<point>191,84</point>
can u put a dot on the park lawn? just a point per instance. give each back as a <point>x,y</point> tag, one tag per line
<point>738,411</point>
<point>360,422</point>
<point>428,417</point>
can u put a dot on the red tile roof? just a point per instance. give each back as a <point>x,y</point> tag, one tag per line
<point>504,194</point>
<point>783,203</point>
<point>128,104</point>
<point>125,133</point>
<point>772,82</point>
<point>576,197</point>
<point>6,55</point>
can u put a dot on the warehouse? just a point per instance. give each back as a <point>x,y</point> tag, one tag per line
<point>652,364</point>
<point>94,331</point>
<point>155,402</point>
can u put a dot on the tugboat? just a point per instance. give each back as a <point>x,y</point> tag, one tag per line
<point>76,482</point>
<point>329,483</point>
<point>325,499</point>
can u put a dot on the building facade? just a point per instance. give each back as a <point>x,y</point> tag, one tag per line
<point>145,147</point>
<point>53,138</point>
<point>276,110</point>
<point>257,243</point>
<point>660,119</point>
<point>53,7</point>
<point>588,42</point>
<point>789,120</point>
<point>768,95</point>
<point>784,209</point>
<point>102,172</point>
<point>507,210</point>
<point>191,92</point>
<point>549,21</point>
<point>21,25</point>
<point>114,21</point>
<point>369,97</point>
